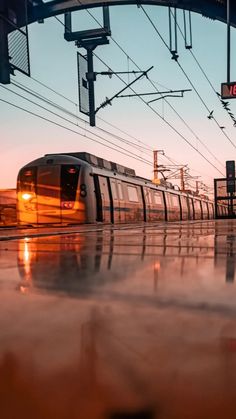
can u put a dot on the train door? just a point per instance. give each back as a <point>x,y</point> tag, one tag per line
<point>115,200</point>
<point>184,207</point>
<point>107,207</point>
<point>190,208</point>
<point>121,201</point>
<point>197,209</point>
<point>158,209</point>
<point>148,202</point>
<point>72,197</point>
<point>48,194</point>
<point>135,211</point>
<point>173,207</point>
<point>205,214</point>
<point>211,210</point>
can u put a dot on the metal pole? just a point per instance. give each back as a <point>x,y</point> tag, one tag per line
<point>182,179</point>
<point>155,166</point>
<point>176,37</point>
<point>231,204</point>
<point>228,41</point>
<point>197,189</point>
<point>4,55</point>
<point>90,78</point>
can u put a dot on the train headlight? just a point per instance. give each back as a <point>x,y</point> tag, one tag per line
<point>26,196</point>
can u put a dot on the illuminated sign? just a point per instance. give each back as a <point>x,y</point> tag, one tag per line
<point>228,90</point>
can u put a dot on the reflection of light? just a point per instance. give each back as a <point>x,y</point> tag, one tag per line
<point>157,266</point>
<point>26,259</point>
<point>26,252</point>
<point>25,256</point>
<point>26,196</point>
<point>24,290</point>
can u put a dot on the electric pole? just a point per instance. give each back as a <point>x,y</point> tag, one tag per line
<point>182,185</point>
<point>155,165</point>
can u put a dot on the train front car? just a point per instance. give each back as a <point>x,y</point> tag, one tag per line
<point>54,190</point>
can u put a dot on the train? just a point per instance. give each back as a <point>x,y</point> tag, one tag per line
<point>78,188</point>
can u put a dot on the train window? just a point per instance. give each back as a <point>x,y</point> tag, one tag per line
<point>120,190</point>
<point>184,203</point>
<point>114,190</point>
<point>168,200</point>
<point>157,198</point>
<point>132,194</point>
<point>211,209</point>
<point>175,200</point>
<point>148,196</point>
<point>69,182</point>
<point>197,205</point>
<point>27,179</point>
<point>204,206</point>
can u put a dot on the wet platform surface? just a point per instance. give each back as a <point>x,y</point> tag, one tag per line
<point>119,323</point>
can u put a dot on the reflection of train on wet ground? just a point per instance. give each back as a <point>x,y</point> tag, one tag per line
<point>96,262</point>
<point>7,206</point>
<point>74,188</point>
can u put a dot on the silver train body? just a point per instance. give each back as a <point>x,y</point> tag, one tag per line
<point>75,188</point>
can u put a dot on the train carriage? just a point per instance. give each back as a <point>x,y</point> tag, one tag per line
<point>74,188</point>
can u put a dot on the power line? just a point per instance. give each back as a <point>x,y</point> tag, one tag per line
<point>41,97</point>
<point>168,123</point>
<point>103,120</point>
<point>184,72</point>
<point>38,96</point>
<point>198,64</point>
<point>131,155</point>
<point>65,110</point>
<point>181,118</point>
<point>146,104</point>
<point>153,84</point>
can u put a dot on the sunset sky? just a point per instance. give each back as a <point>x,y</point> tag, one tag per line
<point>53,63</point>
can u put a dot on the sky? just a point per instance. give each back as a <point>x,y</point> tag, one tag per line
<point>179,126</point>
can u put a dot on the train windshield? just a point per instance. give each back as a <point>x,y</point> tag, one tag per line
<point>27,179</point>
<point>69,182</point>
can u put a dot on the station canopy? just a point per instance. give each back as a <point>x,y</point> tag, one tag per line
<point>213,9</point>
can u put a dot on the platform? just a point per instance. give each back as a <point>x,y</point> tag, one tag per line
<point>119,322</point>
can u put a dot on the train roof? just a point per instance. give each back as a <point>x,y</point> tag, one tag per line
<point>99,162</point>
<point>108,165</point>
<point>103,164</point>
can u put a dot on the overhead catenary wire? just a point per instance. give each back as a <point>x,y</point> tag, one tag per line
<point>36,94</point>
<point>69,121</point>
<point>166,122</point>
<point>61,108</point>
<point>153,84</point>
<point>50,102</point>
<point>182,119</point>
<point>146,146</point>
<point>41,97</point>
<point>188,78</point>
<point>67,128</point>
<point>198,64</point>
<point>170,125</point>
<point>75,104</point>
<point>137,147</point>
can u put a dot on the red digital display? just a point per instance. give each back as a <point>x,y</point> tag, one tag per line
<point>228,90</point>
